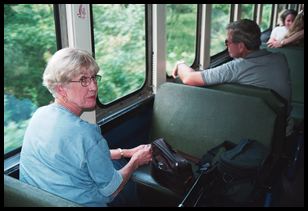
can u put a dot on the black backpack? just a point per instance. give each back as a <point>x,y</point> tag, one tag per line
<point>236,173</point>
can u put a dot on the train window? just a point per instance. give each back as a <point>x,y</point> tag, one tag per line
<point>219,21</point>
<point>247,11</point>
<point>292,6</point>
<point>29,41</point>
<point>120,49</point>
<point>280,9</point>
<point>181,23</point>
<point>266,17</point>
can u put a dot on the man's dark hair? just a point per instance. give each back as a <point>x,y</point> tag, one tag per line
<point>246,31</point>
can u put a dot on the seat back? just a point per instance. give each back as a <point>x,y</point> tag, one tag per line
<point>194,119</point>
<point>295,58</point>
<point>20,194</point>
<point>273,100</point>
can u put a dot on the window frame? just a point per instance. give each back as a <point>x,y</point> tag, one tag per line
<point>107,112</point>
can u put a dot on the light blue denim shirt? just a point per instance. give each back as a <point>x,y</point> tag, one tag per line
<point>69,157</point>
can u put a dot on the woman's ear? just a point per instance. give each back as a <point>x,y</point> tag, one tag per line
<point>60,89</point>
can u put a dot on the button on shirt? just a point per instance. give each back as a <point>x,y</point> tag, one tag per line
<point>67,156</point>
<point>259,68</point>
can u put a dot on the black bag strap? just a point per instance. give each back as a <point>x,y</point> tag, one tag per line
<point>207,158</point>
<point>241,147</point>
<point>163,146</point>
<point>195,160</point>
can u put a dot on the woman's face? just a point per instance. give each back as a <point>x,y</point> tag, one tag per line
<point>289,20</point>
<point>82,96</point>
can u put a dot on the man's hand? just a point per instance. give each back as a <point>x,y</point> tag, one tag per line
<point>175,69</point>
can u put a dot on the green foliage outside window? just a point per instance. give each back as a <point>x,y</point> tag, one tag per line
<point>220,18</point>
<point>181,23</point>
<point>266,17</point>
<point>247,11</point>
<point>29,40</point>
<point>119,35</point>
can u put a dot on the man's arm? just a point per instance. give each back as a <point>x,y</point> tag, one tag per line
<point>187,75</point>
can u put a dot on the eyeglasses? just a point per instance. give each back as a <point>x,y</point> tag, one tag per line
<point>227,42</point>
<point>85,81</point>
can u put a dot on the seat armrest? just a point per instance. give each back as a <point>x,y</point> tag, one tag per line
<point>20,194</point>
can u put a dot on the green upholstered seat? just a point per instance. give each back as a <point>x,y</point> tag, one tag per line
<point>194,119</point>
<point>274,101</point>
<point>19,194</point>
<point>295,58</point>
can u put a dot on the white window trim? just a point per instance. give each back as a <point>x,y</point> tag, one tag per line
<point>159,45</point>
<point>79,36</point>
<point>205,36</point>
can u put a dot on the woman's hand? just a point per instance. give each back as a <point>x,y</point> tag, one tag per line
<point>142,155</point>
<point>129,152</point>
<point>274,44</point>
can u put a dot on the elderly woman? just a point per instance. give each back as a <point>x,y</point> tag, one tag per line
<point>66,155</point>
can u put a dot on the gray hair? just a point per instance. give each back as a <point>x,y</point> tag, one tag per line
<point>66,64</point>
<point>246,31</point>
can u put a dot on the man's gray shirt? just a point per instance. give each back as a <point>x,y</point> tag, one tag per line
<point>259,68</point>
